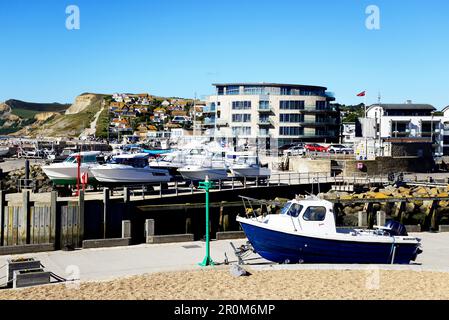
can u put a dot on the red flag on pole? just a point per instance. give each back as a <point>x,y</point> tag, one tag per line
<point>361,94</point>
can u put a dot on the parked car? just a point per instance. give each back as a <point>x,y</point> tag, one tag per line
<point>297,150</point>
<point>339,148</point>
<point>315,147</point>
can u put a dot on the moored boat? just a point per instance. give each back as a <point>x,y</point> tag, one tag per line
<point>130,169</point>
<point>250,167</point>
<point>66,172</point>
<point>305,231</point>
<point>213,166</point>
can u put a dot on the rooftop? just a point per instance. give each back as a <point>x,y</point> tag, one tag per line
<point>267,84</point>
<point>404,106</point>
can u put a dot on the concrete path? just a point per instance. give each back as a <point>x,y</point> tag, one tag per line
<point>109,263</point>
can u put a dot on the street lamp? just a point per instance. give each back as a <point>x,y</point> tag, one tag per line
<point>207,185</point>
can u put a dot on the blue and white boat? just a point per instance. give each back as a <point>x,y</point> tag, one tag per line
<point>305,232</point>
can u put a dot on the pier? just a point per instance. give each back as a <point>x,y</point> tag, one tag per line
<point>32,222</point>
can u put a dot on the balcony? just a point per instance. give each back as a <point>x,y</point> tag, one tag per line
<point>325,122</point>
<point>210,122</point>
<point>264,135</point>
<point>221,123</point>
<point>209,109</point>
<point>311,135</point>
<point>265,122</point>
<point>265,109</point>
<point>312,108</point>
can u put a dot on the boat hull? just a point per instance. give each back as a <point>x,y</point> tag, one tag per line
<point>199,174</point>
<point>252,172</point>
<point>129,175</point>
<point>282,247</point>
<point>67,175</point>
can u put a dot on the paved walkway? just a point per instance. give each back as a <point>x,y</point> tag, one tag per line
<point>108,263</point>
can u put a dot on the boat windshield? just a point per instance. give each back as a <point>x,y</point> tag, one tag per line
<point>133,162</point>
<point>84,159</point>
<point>292,209</point>
<point>247,160</point>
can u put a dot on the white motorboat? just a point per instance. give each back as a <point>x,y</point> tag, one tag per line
<point>250,167</point>
<point>305,231</point>
<point>130,169</point>
<point>191,154</point>
<point>214,167</point>
<point>66,172</point>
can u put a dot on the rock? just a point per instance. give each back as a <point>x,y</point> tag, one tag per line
<point>409,207</point>
<point>420,191</point>
<point>443,203</point>
<point>387,192</point>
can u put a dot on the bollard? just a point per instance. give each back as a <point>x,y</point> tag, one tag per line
<point>126,229</point>
<point>381,217</point>
<point>105,210</point>
<point>362,219</point>
<point>27,173</point>
<point>149,228</point>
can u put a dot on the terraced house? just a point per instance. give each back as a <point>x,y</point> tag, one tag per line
<point>285,112</point>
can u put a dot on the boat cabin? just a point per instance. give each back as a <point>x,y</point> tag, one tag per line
<point>137,160</point>
<point>309,215</point>
<point>86,157</point>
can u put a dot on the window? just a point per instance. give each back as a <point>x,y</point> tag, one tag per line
<point>295,210</point>
<point>241,105</point>
<point>295,118</point>
<point>315,214</point>
<point>253,90</point>
<point>232,90</point>
<point>241,131</point>
<point>264,105</point>
<point>241,118</point>
<point>321,105</point>
<point>292,209</point>
<point>291,131</point>
<point>291,105</point>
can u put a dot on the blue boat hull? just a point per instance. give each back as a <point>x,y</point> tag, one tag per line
<point>283,247</point>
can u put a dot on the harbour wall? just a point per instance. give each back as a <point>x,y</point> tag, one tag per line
<point>65,223</point>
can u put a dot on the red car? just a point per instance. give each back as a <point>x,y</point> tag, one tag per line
<point>314,147</point>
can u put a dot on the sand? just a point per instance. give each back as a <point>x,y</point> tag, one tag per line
<point>217,283</point>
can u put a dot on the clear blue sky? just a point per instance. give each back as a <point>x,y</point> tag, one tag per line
<point>179,47</point>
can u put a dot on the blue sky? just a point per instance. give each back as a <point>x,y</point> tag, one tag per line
<point>180,47</point>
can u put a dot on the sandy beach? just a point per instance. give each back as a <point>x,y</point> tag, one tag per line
<point>218,283</point>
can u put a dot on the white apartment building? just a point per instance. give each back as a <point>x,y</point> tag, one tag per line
<point>285,112</point>
<point>409,120</point>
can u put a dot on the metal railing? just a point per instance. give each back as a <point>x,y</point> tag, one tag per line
<point>278,179</point>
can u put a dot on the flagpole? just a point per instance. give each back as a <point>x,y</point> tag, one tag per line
<point>366,126</point>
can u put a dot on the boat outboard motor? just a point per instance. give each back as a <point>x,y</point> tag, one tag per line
<point>396,228</point>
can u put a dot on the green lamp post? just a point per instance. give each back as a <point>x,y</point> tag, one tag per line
<point>207,185</point>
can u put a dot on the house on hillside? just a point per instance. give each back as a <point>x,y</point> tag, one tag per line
<point>159,115</point>
<point>165,103</point>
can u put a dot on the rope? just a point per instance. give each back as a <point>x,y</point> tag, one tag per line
<point>56,277</point>
<point>391,251</point>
